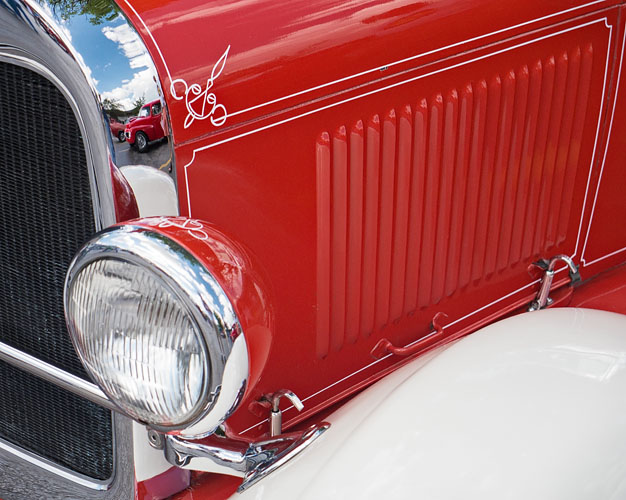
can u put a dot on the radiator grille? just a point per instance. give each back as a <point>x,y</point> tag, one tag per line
<point>436,185</point>
<point>46,214</point>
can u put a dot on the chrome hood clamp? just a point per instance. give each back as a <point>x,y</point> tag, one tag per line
<point>543,300</point>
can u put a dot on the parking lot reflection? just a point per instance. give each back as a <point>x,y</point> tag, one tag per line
<point>158,155</point>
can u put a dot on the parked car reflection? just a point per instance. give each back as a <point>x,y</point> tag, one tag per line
<point>147,127</point>
<point>117,128</point>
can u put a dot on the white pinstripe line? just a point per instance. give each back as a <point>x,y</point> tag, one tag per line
<point>595,142</point>
<point>382,89</point>
<point>408,345</point>
<point>610,27</point>
<point>606,149</point>
<point>412,58</point>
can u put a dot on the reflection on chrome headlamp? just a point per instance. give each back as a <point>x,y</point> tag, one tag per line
<point>156,331</point>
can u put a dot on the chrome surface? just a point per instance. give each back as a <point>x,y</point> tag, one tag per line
<point>276,415</point>
<point>203,298</point>
<point>543,299</point>
<point>156,439</point>
<point>251,460</point>
<point>55,375</point>
<point>97,60</point>
<point>25,475</point>
<point>52,467</point>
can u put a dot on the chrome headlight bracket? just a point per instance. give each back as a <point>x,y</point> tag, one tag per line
<point>252,460</point>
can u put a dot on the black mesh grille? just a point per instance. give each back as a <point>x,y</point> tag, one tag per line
<point>55,424</point>
<point>46,214</point>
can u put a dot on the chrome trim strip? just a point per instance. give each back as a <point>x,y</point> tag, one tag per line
<point>51,373</point>
<point>54,468</point>
<point>251,460</point>
<point>26,475</point>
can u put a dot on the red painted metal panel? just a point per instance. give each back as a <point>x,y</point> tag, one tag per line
<point>414,162</point>
<point>524,179</point>
<point>442,148</point>
<point>473,186</point>
<point>268,41</point>
<point>461,186</point>
<point>416,210</point>
<point>371,225</point>
<point>604,243</point>
<point>323,245</point>
<point>486,167</point>
<point>403,186</point>
<point>489,125</point>
<point>385,219</point>
<point>318,187</point>
<point>355,231</point>
<point>522,111</point>
<point>339,225</point>
<point>446,179</point>
<point>576,139</point>
<point>496,191</point>
<point>547,93</point>
<point>431,202</point>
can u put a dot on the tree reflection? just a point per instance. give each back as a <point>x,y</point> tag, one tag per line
<point>114,108</point>
<point>96,11</point>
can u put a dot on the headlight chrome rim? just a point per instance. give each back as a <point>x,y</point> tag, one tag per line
<point>183,275</point>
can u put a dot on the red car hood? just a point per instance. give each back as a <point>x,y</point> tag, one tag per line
<point>137,122</point>
<point>250,59</point>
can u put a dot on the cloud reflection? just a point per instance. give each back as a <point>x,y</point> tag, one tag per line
<point>143,82</point>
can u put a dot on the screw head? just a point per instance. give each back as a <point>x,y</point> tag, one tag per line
<point>156,439</point>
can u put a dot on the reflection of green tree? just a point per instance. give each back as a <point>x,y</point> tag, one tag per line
<point>112,107</point>
<point>137,105</point>
<point>97,11</point>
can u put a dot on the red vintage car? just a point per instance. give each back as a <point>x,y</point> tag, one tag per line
<point>146,127</point>
<point>117,129</point>
<point>389,261</point>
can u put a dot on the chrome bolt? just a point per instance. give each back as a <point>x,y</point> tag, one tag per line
<point>156,439</point>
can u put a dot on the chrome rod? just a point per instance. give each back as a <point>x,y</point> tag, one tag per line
<point>58,377</point>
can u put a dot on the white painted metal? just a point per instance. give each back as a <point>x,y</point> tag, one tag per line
<point>149,462</point>
<point>154,190</point>
<point>531,407</point>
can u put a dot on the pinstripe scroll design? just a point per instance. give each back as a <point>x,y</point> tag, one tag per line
<point>434,197</point>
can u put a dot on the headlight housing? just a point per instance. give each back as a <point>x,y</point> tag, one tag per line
<point>156,331</point>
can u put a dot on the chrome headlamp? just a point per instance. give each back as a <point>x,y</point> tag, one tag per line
<point>156,331</point>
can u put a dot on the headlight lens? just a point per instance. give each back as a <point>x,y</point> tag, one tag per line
<point>155,331</point>
<point>137,339</point>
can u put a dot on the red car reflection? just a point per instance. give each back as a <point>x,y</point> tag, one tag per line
<point>117,129</point>
<point>146,127</point>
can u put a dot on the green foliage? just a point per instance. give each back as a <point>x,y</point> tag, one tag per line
<point>97,11</point>
<point>137,105</point>
<point>112,107</point>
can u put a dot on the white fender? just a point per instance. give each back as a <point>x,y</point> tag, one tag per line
<point>531,407</point>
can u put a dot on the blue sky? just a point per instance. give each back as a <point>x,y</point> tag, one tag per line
<point>119,64</point>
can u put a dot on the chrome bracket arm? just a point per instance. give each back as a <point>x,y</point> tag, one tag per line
<point>543,300</point>
<point>250,460</point>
